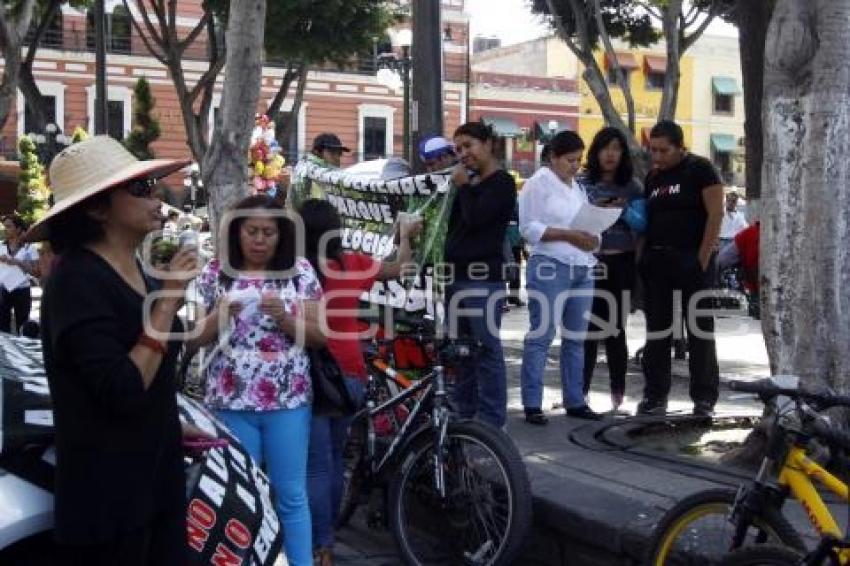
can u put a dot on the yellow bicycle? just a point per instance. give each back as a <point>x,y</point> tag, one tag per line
<point>710,527</point>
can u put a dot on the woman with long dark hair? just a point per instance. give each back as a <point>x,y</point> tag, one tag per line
<point>475,252</point>
<point>609,182</point>
<point>16,253</point>
<point>344,277</point>
<point>110,361</point>
<point>258,380</point>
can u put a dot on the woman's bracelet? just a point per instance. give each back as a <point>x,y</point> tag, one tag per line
<point>152,344</point>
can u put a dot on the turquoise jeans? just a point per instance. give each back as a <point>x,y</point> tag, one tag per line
<point>279,439</point>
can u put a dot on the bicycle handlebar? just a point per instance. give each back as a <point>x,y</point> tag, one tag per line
<point>767,390</point>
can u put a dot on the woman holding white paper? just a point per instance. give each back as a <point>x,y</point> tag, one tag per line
<point>18,260</point>
<point>258,378</point>
<point>560,289</point>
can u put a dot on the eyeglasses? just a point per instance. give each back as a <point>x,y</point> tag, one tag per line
<point>140,188</point>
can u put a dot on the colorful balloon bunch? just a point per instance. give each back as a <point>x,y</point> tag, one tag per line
<point>267,164</point>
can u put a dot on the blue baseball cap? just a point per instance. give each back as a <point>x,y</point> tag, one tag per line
<point>434,147</point>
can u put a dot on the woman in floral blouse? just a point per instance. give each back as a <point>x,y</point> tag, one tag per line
<point>258,377</point>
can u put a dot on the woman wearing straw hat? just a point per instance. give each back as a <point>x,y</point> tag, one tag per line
<point>119,490</point>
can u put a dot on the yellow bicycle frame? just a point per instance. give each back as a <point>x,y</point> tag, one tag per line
<point>797,473</point>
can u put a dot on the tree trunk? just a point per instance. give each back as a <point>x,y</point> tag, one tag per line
<point>753,19</point>
<point>805,262</point>
<point>672,37</point>
<point>9,84</point>
<point>225,164</point>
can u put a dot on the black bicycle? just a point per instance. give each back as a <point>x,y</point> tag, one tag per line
<point>452,491</point>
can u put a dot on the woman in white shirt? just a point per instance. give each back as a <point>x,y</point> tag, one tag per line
<point>16,254</point>
<point>560,288</point>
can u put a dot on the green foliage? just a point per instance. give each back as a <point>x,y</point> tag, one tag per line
<point>299,31</point>
<point>623,20</point>
<point>33,193</point>
<point>146,128</point>
<point>79,135</point>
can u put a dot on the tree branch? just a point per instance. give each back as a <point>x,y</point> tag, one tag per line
<point>26,16</point>
<point>651,10</point>
<point>193,35</point>
<point>688,40</point>
<point>49,14</point>
<point>158,56</point>
<point>611,55</point>
<point>154,36</point>
<point>209,76</point>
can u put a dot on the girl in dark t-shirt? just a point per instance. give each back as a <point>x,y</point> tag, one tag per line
<point>684,208</point>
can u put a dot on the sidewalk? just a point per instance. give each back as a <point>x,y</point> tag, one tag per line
<point>596,503</point>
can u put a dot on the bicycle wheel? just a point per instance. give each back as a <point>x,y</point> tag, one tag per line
<point>486,513</point>
<point>353,475</point>
<point>762,555</point>
<point>698,530</point>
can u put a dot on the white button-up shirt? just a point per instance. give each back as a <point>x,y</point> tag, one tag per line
<point>733,222</point>
<point>547,202</point>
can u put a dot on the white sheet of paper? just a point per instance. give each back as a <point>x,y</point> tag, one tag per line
<point>11,276</point>
<point>595,219</point>
<point>249,299</point>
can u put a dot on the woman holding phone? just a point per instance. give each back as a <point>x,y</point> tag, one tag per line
<point>258,378</point>
<point>609,182</point>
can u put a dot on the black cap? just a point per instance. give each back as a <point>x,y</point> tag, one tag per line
<point>328,141</point>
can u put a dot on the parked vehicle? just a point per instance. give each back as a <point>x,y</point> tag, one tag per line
<point>230,515</point>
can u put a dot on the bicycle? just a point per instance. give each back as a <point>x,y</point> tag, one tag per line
<point>704,527</point>
<point>454,491</point>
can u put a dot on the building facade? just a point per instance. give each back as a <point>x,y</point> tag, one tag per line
<point>366,115</point>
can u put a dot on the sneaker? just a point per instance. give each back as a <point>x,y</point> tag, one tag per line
<point>516,302</point>
<point>702,409</point>
<point>648,407</point>
<point>535,417</point>
<point>584,412</point>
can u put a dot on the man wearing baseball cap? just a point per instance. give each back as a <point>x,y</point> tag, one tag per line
<point>437,153</point>
<point>328,147</point>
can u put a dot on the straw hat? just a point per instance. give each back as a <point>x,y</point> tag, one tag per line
<point>89,167</point>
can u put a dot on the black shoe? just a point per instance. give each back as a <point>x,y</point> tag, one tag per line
<point>648,407</point>
<point>535,417</point>
<point>703,409</point>
<point>516,302</point>
<point>584,412</point>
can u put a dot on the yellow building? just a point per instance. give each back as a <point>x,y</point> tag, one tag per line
<point>646,69</point>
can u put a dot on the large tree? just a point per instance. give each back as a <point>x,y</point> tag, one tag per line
<point>15,17</point>
<point>224,168</point>
<point>584,24</point>
<point>159,31</point>
<point>805,265</point>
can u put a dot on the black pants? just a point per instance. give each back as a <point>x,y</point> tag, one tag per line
<point>615,276</point>
<point>514,283</point>
<point>19,300</point>
<point>669,273</point>
<point>159,543</point>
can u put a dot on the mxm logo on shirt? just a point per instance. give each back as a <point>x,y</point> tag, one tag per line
<point>666,191</point>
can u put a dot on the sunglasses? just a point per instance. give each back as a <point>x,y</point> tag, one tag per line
<point>140,188</point>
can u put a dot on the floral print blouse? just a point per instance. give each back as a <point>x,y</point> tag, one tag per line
<point>257,367</point>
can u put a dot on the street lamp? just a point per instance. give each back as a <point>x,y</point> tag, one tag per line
<point>50,143</point>
<point>394,71</point>
<point>194,184</point>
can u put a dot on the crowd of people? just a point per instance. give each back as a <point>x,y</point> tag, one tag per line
<point>109,330</point>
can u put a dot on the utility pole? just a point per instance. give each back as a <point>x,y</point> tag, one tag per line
<point>427,107</point>
<point>100,115</point>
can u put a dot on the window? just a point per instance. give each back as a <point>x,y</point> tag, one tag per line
<point>119,108</point>
<point>376,131</point>
<point>52,36</point>
<point>723,161</point>
<point>29,119</point>
<point>119,30</point>
<point>654,80</point>
<point>115,126</point>
<point>724,104</point>
<point>54,98</point>
<point>374,138</point>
